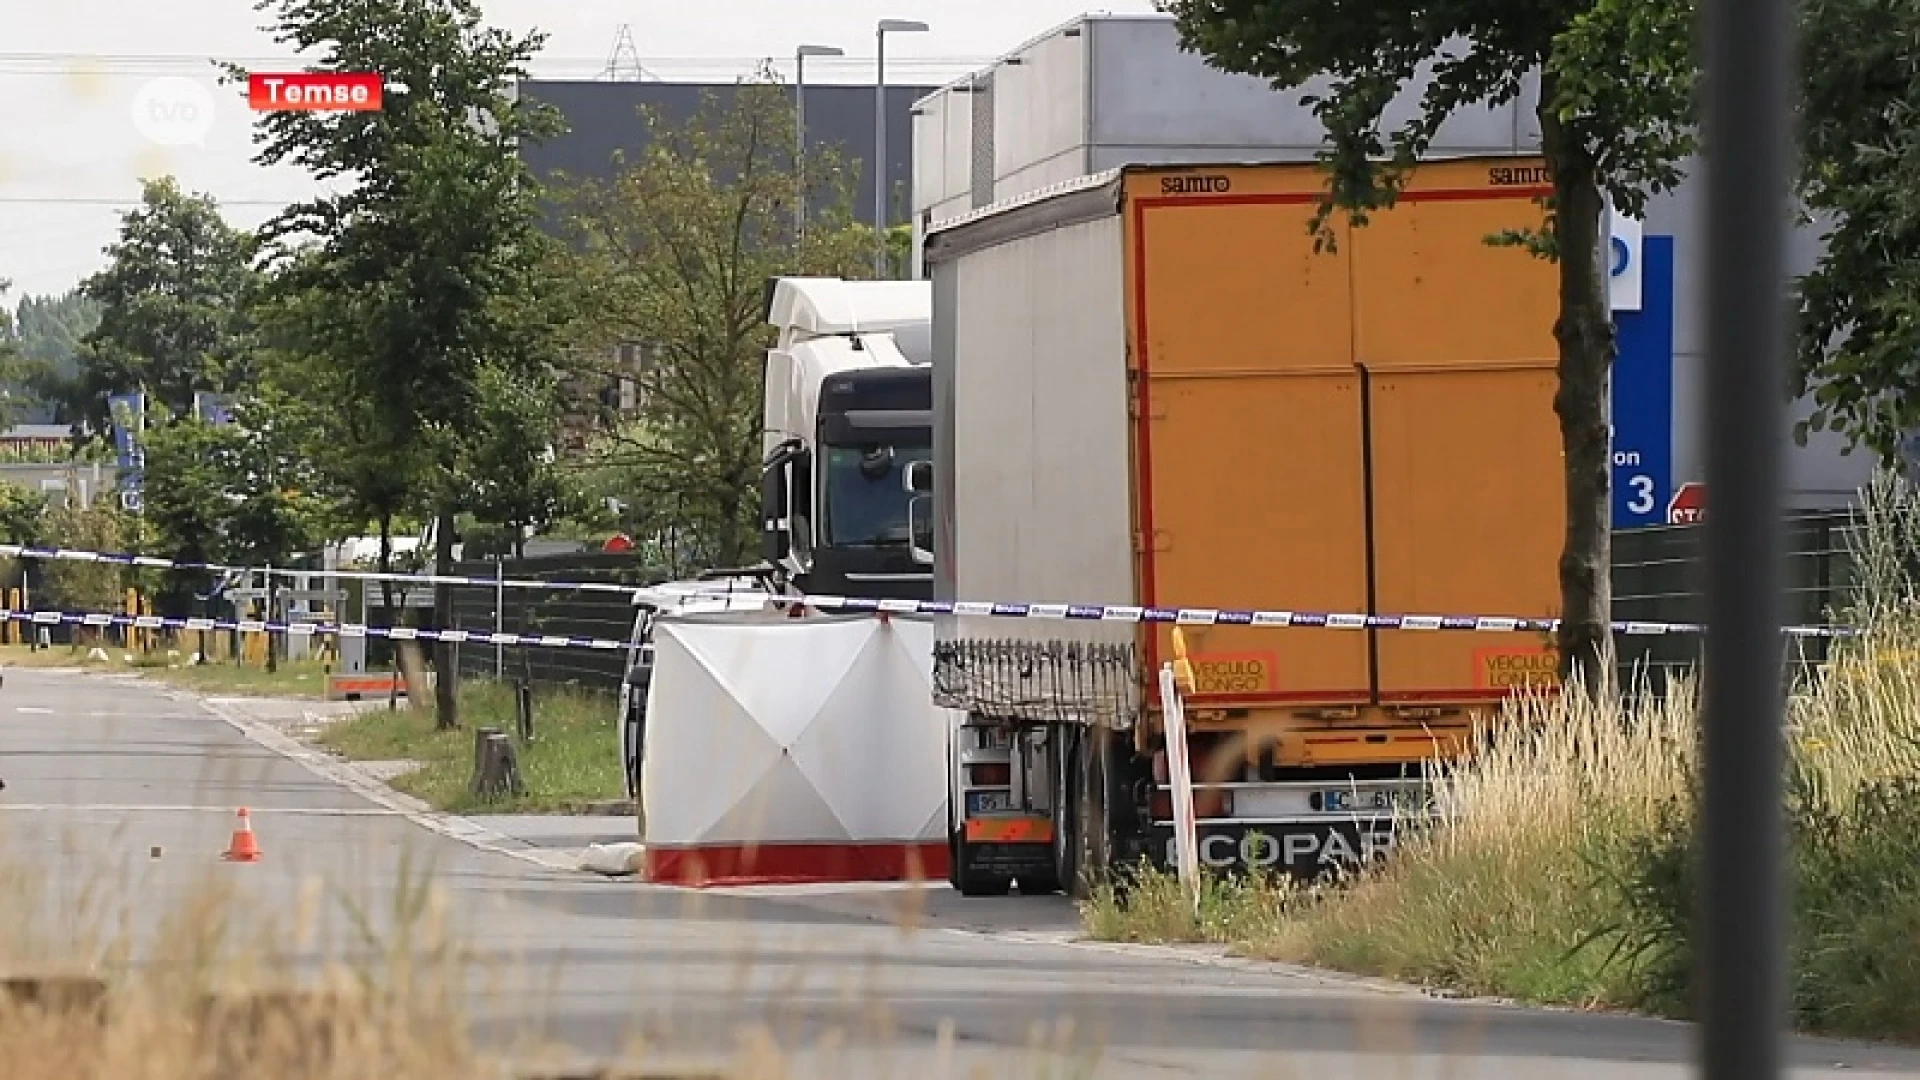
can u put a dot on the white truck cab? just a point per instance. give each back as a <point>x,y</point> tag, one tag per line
<point>849,407</point>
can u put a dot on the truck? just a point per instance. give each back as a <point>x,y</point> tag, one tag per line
<point>848,407</point>
<point>1158,408</point>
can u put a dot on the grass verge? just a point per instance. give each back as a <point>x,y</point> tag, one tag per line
<point>1565,871</point>
<point>571,764</point>
<point>293,678</point>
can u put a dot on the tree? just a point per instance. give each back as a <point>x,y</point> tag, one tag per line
<point>186,504</point>
<point>516,479</point>
<point>1615,106</point>
<point>1859,325</point>
<point>677,249</point>
<point>171,317</point>
<point>84,586</point>
<point>437,237</point>
<point>51,329</point>
<point>18,369</point>
<point>23,513</point>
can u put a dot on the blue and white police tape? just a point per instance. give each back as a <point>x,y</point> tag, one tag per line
<point>690,591</point>
<point>1255,617</point>
<point>154,562</point>
<point>255,626</point>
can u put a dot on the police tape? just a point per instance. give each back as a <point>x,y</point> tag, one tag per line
<point>1182,616</point>
<point>1267,618</point>
<point>101,620</point>
<point>155,562</point>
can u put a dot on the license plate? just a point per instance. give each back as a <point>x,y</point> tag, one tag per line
<point>1347,800</point>
<point>988,802</point>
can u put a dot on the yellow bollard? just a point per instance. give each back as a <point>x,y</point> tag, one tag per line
<point>252,654</point>
<point>12,629</point>
<point>1182,667</point>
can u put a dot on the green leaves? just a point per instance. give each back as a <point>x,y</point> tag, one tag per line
<point>171,318</point>
<point>516,479</point>
<point>422,279</point>
<point>1859,326</point>
<point>675,251</point>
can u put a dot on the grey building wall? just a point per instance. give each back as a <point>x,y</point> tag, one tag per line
<point>603,117</point>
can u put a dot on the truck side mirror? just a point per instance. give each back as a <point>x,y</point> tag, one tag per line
<point>918,477</point>
<point>774,538</point>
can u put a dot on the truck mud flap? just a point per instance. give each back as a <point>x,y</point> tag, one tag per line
<point>1303,849</point>
<point>1007,860</point>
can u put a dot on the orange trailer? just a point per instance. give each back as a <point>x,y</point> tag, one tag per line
<point>1151,390</point>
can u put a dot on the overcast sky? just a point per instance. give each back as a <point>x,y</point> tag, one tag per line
<point>71,157</point>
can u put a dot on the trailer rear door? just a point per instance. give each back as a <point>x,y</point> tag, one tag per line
<point>1249,444</point>
<point>1456,338</point>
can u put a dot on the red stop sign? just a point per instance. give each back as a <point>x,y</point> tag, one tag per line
<point>1689,505</point>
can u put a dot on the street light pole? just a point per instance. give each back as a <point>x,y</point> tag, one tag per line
<point>879,170</point>
<point>800,128</point>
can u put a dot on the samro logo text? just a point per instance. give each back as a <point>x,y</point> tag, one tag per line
<point>314,92</point>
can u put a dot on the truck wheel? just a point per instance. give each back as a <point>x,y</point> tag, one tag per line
<point>1085,776</point>
<point>974,883</point>
<point>1066,832</point>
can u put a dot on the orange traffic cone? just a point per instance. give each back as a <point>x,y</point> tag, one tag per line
<point>243,848</point>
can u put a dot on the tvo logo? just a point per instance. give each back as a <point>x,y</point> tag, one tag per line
<point>1255,849</point>
<point>174,111</point>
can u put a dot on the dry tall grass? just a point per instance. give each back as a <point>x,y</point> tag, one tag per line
<point>95,986</point>
<point>1563,870</point>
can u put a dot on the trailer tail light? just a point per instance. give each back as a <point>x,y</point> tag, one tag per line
<point>998,775</point>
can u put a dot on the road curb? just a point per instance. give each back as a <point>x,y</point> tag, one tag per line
<point>336,771</point>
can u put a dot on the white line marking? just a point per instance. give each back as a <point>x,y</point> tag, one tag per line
<point>34,709</point>
<point>332,769</point>
<point>258,811</point>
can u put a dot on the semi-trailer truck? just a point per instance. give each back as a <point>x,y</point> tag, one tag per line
<point>847,409</point>
<point>1150,391</point>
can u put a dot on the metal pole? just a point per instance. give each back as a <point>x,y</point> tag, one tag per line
<point>499,615</point>
<point>800,143</point>
<point>1747,132</point>
<point>880,153</point>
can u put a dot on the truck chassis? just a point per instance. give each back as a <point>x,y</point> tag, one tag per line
<point>1061,805</point>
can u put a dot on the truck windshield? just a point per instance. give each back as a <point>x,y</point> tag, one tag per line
<point>865,495</point>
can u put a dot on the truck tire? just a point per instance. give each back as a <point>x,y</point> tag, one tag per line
<point>1065,741</point>
<point>1082,850</point>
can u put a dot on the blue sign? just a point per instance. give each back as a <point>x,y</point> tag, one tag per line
<point>128,412</point>
<point>1643,395</point>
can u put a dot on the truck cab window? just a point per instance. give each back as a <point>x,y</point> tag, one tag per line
<point>866,500</point>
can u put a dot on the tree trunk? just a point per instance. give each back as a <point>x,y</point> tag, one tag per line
<point>386,602</point>
<point>1585,335</point>
<point>446,686</point>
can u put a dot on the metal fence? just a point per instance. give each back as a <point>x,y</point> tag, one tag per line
<point>550,611</point>
<point>1659,576</point>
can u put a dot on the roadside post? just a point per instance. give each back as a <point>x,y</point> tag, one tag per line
<point>1174,676</point>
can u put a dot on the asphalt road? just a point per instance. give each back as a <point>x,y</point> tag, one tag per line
<point>851,981</point>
